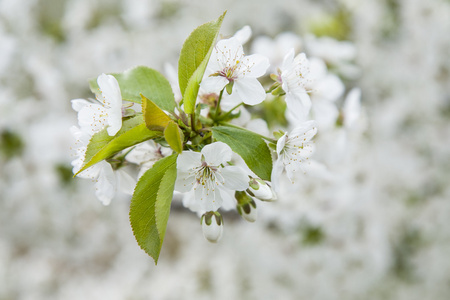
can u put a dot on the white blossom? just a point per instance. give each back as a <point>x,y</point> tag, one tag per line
<point>294,150</point>
<point>229,65</point>
<point>146,155</point>
<point>206,175</point>
<point>106,112</point>
<point>295,77</point>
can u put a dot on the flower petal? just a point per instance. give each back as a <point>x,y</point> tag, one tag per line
<point>126,183</point>
<point>210,200</point>
<point>298,103</point>
<point>249,90</point>
<point>256,65</point>
<point>288,59</point>
<point>114,121</point>
<point>277,170</point>
<point>229,202</point>
<point>106,183</point>
<point>213,84</point>
<point>188,160</point>
<point>184,182</point>
<point>217,153</point>
<point>235,178</point>
<point>281,143</point>
<point>243,34</point>
<point>92,118</point>
<point>110,91</point>
<point>78,104</point>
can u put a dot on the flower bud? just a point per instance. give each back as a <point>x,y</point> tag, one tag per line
<point>212,226</point>
<point>261,190</point>
<point>246,206</point>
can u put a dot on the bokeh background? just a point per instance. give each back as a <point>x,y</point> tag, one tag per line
<point>381,230</point>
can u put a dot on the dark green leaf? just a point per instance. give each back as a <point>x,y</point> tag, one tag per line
<point>250,146</point>
<point>150,205</point>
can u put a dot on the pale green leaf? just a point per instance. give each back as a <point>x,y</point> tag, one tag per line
<point>155,118</point>
<point>174,137</point>
<point>194,58</point>
<point>102,146</point>
<point>150,205</point>
<point>250,146</point>
<point>145,81</point>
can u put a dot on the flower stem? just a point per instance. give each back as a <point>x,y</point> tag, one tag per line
<point>218,104</point>
<point>230,111</point>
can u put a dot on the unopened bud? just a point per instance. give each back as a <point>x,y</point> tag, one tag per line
<point>261,190</point>
<point>246,206</point>
<point>212,226</point>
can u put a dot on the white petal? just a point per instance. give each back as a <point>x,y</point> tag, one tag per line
<point>249,90</point>
<point>81,137</point>
<point>78,104</point>
<point>277,170</point>
<point>210,200</point>
<point>217,153</point>
<point>184,182</point>
<point>235,178</point>
<point>90,173</point>
<point>229,51</point>
<point>256,65</point>
<point>281,143</point>
<point>114,121</point>
<point>188,160</point>
<point>191,202</point>
<point>329,88</point>
<point>288,59</point>
<point>213,84</point>
<point>292,169</point>
<point>106,184</point>
<point>243,35</point>
<point>110,91</point>
<point>126,183</point>
<point>229,202</point>
<point>92,118</point>
<point>142,152</point>
<point>304,131</point>
<point>298,104</point>
<point>259,126</point>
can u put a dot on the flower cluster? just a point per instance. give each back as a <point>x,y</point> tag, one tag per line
<point>209,144</point>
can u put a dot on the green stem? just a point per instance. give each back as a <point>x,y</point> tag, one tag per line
<point>260,135</point>
<point>229,112</point>
<point>193,121</point>
<point>218,104</point>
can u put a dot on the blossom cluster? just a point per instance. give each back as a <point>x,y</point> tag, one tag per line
<point>222,153</point>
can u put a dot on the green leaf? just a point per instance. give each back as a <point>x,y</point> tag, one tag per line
<point>102,146</point>
<point>250,146</point>
<point>145,81</point>
<point>174,136</point>
<point>150,205</point>
<point>194,58</point>
<point>155,118</point>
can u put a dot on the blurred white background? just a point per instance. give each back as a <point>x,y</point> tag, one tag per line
<point>380,230</point>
